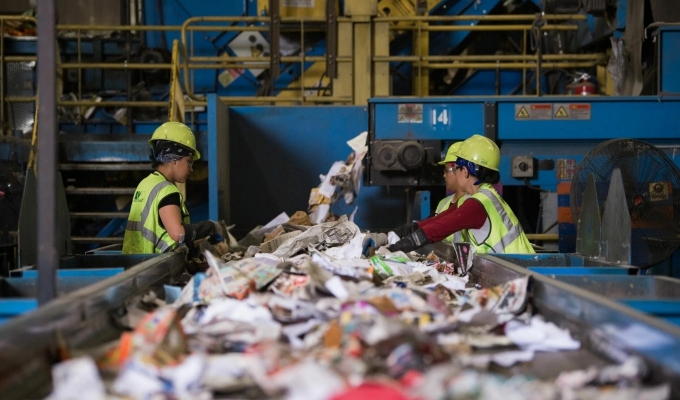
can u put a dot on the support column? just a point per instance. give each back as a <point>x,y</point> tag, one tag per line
<point>381,47</point>
<point>48,261</point>
<point>343,82</point>
<point>361,12</point>
<point>421,74</point>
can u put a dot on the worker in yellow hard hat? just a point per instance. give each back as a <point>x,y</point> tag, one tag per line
<point>451,182</point>
<point>490,223</point>
<point>159,219</point>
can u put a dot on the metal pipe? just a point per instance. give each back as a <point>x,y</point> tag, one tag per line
<point>47,153</point>
<point>264,59</point>
<point>540,25</point>
<point>275,99</point>
<point>524,70</point>
<point>20,99</point>
<point>174,76</point>
<point>501,57</point>
<point>121,103</point>
<point>174,28</point>
<point>520,17</point>
<point>82,65</point>
<point>18,18</point>
<point>447,28</point>
<point>128,78</point>
<point>519,57</point>
<point>16,58</point>
<point>228,99</point>
<point>512,65</point>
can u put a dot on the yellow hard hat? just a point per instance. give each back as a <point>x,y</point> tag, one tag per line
<point>479,151</point>
<point>451,154</point>
<point>176,132</point>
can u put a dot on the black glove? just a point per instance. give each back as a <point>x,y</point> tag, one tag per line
<point>193,252</point>
<point>199,230</point>
<point>407,229</point>
<point>410,242</point>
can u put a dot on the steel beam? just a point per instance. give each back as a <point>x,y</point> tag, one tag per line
<point>47,152</point>
<point>331,39</point>
<point>274,34</point>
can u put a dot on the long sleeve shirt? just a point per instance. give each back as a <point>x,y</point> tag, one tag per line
<point>470,215</point>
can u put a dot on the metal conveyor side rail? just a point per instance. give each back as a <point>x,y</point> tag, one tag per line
<point>30,344</point>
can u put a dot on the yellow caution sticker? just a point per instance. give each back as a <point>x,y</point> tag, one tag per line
<point>561,113</point>
<point>522,113</point>
<point>533,111</point>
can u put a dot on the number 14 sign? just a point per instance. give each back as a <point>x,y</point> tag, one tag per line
<point>440,118</point>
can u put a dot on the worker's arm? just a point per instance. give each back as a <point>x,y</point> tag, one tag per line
<point>433,219</point>
<point>171,219</point>
<point>408,229</point>
<point>470,215</point>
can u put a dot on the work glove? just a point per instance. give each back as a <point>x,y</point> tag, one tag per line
<point>201,230</point>
<point>405,230</point>
<point>373,240</point>
<point>410,242</point>
<point>193,250</point>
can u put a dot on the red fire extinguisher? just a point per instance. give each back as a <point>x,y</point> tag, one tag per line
<point>581,86</point>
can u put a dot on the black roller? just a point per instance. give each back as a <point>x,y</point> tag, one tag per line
<point>387,156</point>
<point>411,155</point>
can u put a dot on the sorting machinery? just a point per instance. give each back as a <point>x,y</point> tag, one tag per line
<point>609,305</point>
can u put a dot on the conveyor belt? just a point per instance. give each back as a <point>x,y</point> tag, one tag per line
<point>608,330</point>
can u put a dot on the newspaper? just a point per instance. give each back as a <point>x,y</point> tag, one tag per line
<point>323,235</point>
<point>270,246</point>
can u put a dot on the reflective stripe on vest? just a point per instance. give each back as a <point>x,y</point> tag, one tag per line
<point>511,233</point>
<point>444,205</point>
<point>512,236</point>
<point>138,226</point>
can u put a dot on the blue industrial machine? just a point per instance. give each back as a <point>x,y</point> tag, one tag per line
<point>249,153</point>
<point>407,135</point>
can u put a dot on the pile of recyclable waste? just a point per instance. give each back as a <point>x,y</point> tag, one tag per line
<point>315,318</point>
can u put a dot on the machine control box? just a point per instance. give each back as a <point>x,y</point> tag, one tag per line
<point>523,167</point>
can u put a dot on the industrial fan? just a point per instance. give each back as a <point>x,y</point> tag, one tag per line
<point>651,184</point>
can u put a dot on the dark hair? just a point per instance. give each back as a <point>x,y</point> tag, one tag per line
<point>486,175</point>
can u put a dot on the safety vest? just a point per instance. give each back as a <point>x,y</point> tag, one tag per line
<point>444,204</point>
<point>501,232</point>
<point>143,233</point>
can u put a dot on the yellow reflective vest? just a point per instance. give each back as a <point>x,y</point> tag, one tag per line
<point>501,232</point>
<point>143,233</point>
<point>444,204</point>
